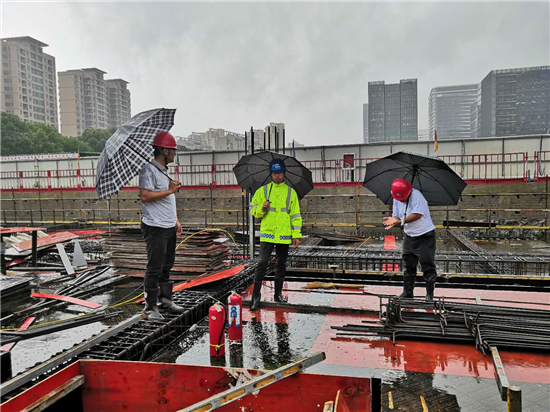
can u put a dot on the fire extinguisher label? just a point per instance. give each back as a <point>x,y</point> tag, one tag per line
<point>234,315</point>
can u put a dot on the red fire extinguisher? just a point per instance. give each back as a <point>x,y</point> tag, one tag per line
<point>235,316</point>
<point>216,323</point>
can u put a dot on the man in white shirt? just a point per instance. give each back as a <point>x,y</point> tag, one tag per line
<point>410,210</point>
<point>160,226</point>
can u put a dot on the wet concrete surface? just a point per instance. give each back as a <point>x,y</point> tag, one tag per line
<point>27,353</point>
<point>419,376</point>
<point>450,378</point>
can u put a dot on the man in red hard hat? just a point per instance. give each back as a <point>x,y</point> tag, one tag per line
<point>410,210</point>
<point>159,226</point>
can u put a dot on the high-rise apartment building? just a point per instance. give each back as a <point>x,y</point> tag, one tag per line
<point>88,101</point>
<point>393,111</point>
<point>273,136</point>
<point>29,87</point>
<point>515,102</point>
<point>365,122</point>
<point>119,102</point>
<point>83,101</point>
<point>449,111</point>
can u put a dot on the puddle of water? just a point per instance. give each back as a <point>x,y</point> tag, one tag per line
<point>27,353</point>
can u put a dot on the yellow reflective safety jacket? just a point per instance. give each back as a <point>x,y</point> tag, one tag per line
<point>282,221</point>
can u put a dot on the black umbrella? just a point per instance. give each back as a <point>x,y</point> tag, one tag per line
<point>252,172</point>
<point>439,184</point>
<point>129,148</point>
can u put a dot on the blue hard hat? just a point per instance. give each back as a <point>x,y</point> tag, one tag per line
<point>277,165</point>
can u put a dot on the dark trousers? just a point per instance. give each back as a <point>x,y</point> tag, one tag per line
<point>265,254</point>
<point>420,249</point>
<point>161,253</point>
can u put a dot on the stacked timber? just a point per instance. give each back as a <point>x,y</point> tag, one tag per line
<point>13,286</point>
<point>197,253</point>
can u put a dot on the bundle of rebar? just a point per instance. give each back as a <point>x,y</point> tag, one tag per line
<point>517,264</point>
<point>485,325</point>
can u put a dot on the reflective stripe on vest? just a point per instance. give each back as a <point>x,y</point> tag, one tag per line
<point>283,209</point>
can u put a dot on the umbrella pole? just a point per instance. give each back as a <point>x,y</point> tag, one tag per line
<point>148,161</point>
<point>109,205</point>
<point>251,231</point>
<point>409,198</point>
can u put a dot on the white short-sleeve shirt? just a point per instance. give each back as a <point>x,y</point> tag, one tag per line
<point>160,213</point>
<point>418,205</point>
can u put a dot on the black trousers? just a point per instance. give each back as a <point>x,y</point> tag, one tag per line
<point>161,253</point>
<point>420,249</point>
<point>265,254</point>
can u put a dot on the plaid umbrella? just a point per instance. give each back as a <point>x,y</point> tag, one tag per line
<point>129,148</point>
<point>439,184</point>
<point>252,172</point>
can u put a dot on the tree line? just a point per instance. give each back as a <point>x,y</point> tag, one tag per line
<point>19,137</point>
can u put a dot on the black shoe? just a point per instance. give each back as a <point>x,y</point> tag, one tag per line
<point>151,311</point>
<point>165,301</point>
<point>408,288</point>
<point>256,296</point>
<point>279,291</point>
<point>430,286</point>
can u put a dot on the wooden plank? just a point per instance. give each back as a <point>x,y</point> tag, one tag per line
<point>58,393</point>
<point>76,301</point>
<point>205,279</point>
<point>12,230</point>
<point>243,389</point>
<point>46,241</point>
<point>341,405</point>
<point>329,406</point>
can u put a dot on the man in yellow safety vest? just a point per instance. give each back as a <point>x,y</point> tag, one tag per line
<point>279,208</point>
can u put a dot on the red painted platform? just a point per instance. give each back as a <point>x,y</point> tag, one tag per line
<point>410,356</point>
<point>111,386</point>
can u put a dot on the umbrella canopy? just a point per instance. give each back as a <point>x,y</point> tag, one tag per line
<point>439,184</point>
<point>252,172</point>
<point>129,148</point>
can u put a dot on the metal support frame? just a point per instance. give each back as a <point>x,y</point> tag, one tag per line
<point>502,380</point>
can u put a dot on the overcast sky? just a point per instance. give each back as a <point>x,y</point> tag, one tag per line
<point>236,65</point>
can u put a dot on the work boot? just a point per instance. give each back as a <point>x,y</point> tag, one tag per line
<point>279,291</point>
<point>165,301</point>
<point>408,288</point>
<point>430,286</point>
<point>256,296</point>
<point>151,311</point>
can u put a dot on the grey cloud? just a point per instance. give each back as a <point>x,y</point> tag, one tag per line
<point>233,65</point>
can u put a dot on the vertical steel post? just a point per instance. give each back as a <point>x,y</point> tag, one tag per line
<point>34,247</point>
<point>514,399</point>
<point>251,234</point>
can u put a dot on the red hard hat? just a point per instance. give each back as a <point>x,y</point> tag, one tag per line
<point>165,139</point>
<point>401,189</point>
